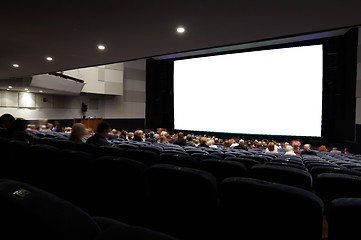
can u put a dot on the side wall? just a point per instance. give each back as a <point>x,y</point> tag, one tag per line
<point>118,109</point>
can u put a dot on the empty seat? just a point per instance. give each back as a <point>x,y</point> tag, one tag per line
<point>287,164</point>
<point>28,212</point>
<point>112,230</point>
<point>201,156</point>
<point>109,151</point>
<point>343,219</point>
<point>246,161</point>
<point>142,155</point>
<point>182,201</point>
<point>179,159</point>
<point>222,169</point>
<point>282,174</point>
<point>329,186</point>
<point>256,209</point>
<point>118,189</point>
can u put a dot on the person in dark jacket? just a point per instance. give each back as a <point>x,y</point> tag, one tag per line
<point>99,138</point>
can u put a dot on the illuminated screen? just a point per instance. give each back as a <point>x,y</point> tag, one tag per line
<point>268,92</point>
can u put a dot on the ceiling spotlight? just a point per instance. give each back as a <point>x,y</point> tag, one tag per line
<point>49,58</point>
<point>10,86</point>
<point>180,29</point>
<point>101,47</point>
<point>40,90</point>
<point>16,65</point>
<point>26,89</point>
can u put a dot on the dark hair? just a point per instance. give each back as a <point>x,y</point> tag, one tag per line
<point>102,127</point>
<point>6,117</point>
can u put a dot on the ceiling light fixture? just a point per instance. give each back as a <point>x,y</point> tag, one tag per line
<point>10,86</point>
<point>101,47</point>
<point>49,58</point>
<point>40,90</point>
<point>26,89</point>
<point>180,30</point>
<point>16,65</point>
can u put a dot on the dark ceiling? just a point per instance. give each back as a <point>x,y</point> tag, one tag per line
<point>69,31</point>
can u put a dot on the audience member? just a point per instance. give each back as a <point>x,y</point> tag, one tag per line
<point>57,127</point>
<point>181,141</point>
<point>307,150</point>
<point>227,144</point>
<point>322,148</point>
<point>189,140</point>
<point>124,135</point>
<point>77,133</point>
<point>5,121</point>
<point>346,150</point>
<point>163,139</point>
<point>17,131</point>
<point>289,150</point>
<point>241,145</point>
<point>335,150</point>
<point>271,148</point>
<point>113,134</point>
<point>138,136</point>
<point>296,149</point>
<point>203,142</point>
<point>99,138</point>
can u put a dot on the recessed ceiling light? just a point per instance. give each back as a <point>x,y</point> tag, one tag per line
<point>26,89</point>
<point>49,58</point>
<point>16,65</point>
<point>40,90</point>
<point>180,30</point>
<point>10,86</point>
<point>101,47</point>
<point>8,89</point>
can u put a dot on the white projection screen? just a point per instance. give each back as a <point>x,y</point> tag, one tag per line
<point>268,92</point>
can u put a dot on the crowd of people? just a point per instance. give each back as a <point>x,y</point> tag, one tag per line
<point>16,128</point>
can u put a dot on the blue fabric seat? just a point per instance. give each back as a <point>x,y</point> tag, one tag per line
<point>343,215</point>
<point>182,201</point>
<point>257,209</point>
<point>282,174</point>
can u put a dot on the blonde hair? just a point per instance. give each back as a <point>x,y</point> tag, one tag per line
<point>77,132</point>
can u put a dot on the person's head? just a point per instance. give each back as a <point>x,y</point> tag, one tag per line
<point>6,120</point>
<point>123,134</point>
<point>289,148</point>
<point>307,147</point>
<point>346,150</point>
<point>181,135</point>
<point>139,133</point>
<point>227,144</point>
<point>203,140</point>
<point>77,132</point>
<point>162,139</point>
<point>18,125</point>
<point>189,137</point>
<point>285,144</point>
<point>271,146</point>
<point>322,148</point>
<point>103,129</point>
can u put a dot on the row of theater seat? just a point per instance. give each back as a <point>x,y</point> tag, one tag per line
<point>118,183</point>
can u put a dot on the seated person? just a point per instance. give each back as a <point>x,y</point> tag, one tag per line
<point>289,150</point>
<point>77,133</point>
<point>307,150</point>
<point>180,140</point>
<point>322,148</point>
<point>271,148</point>
<point>138,136</point>
<point>203,142</point>
<point>99,138</point>
<point>335,150</point>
